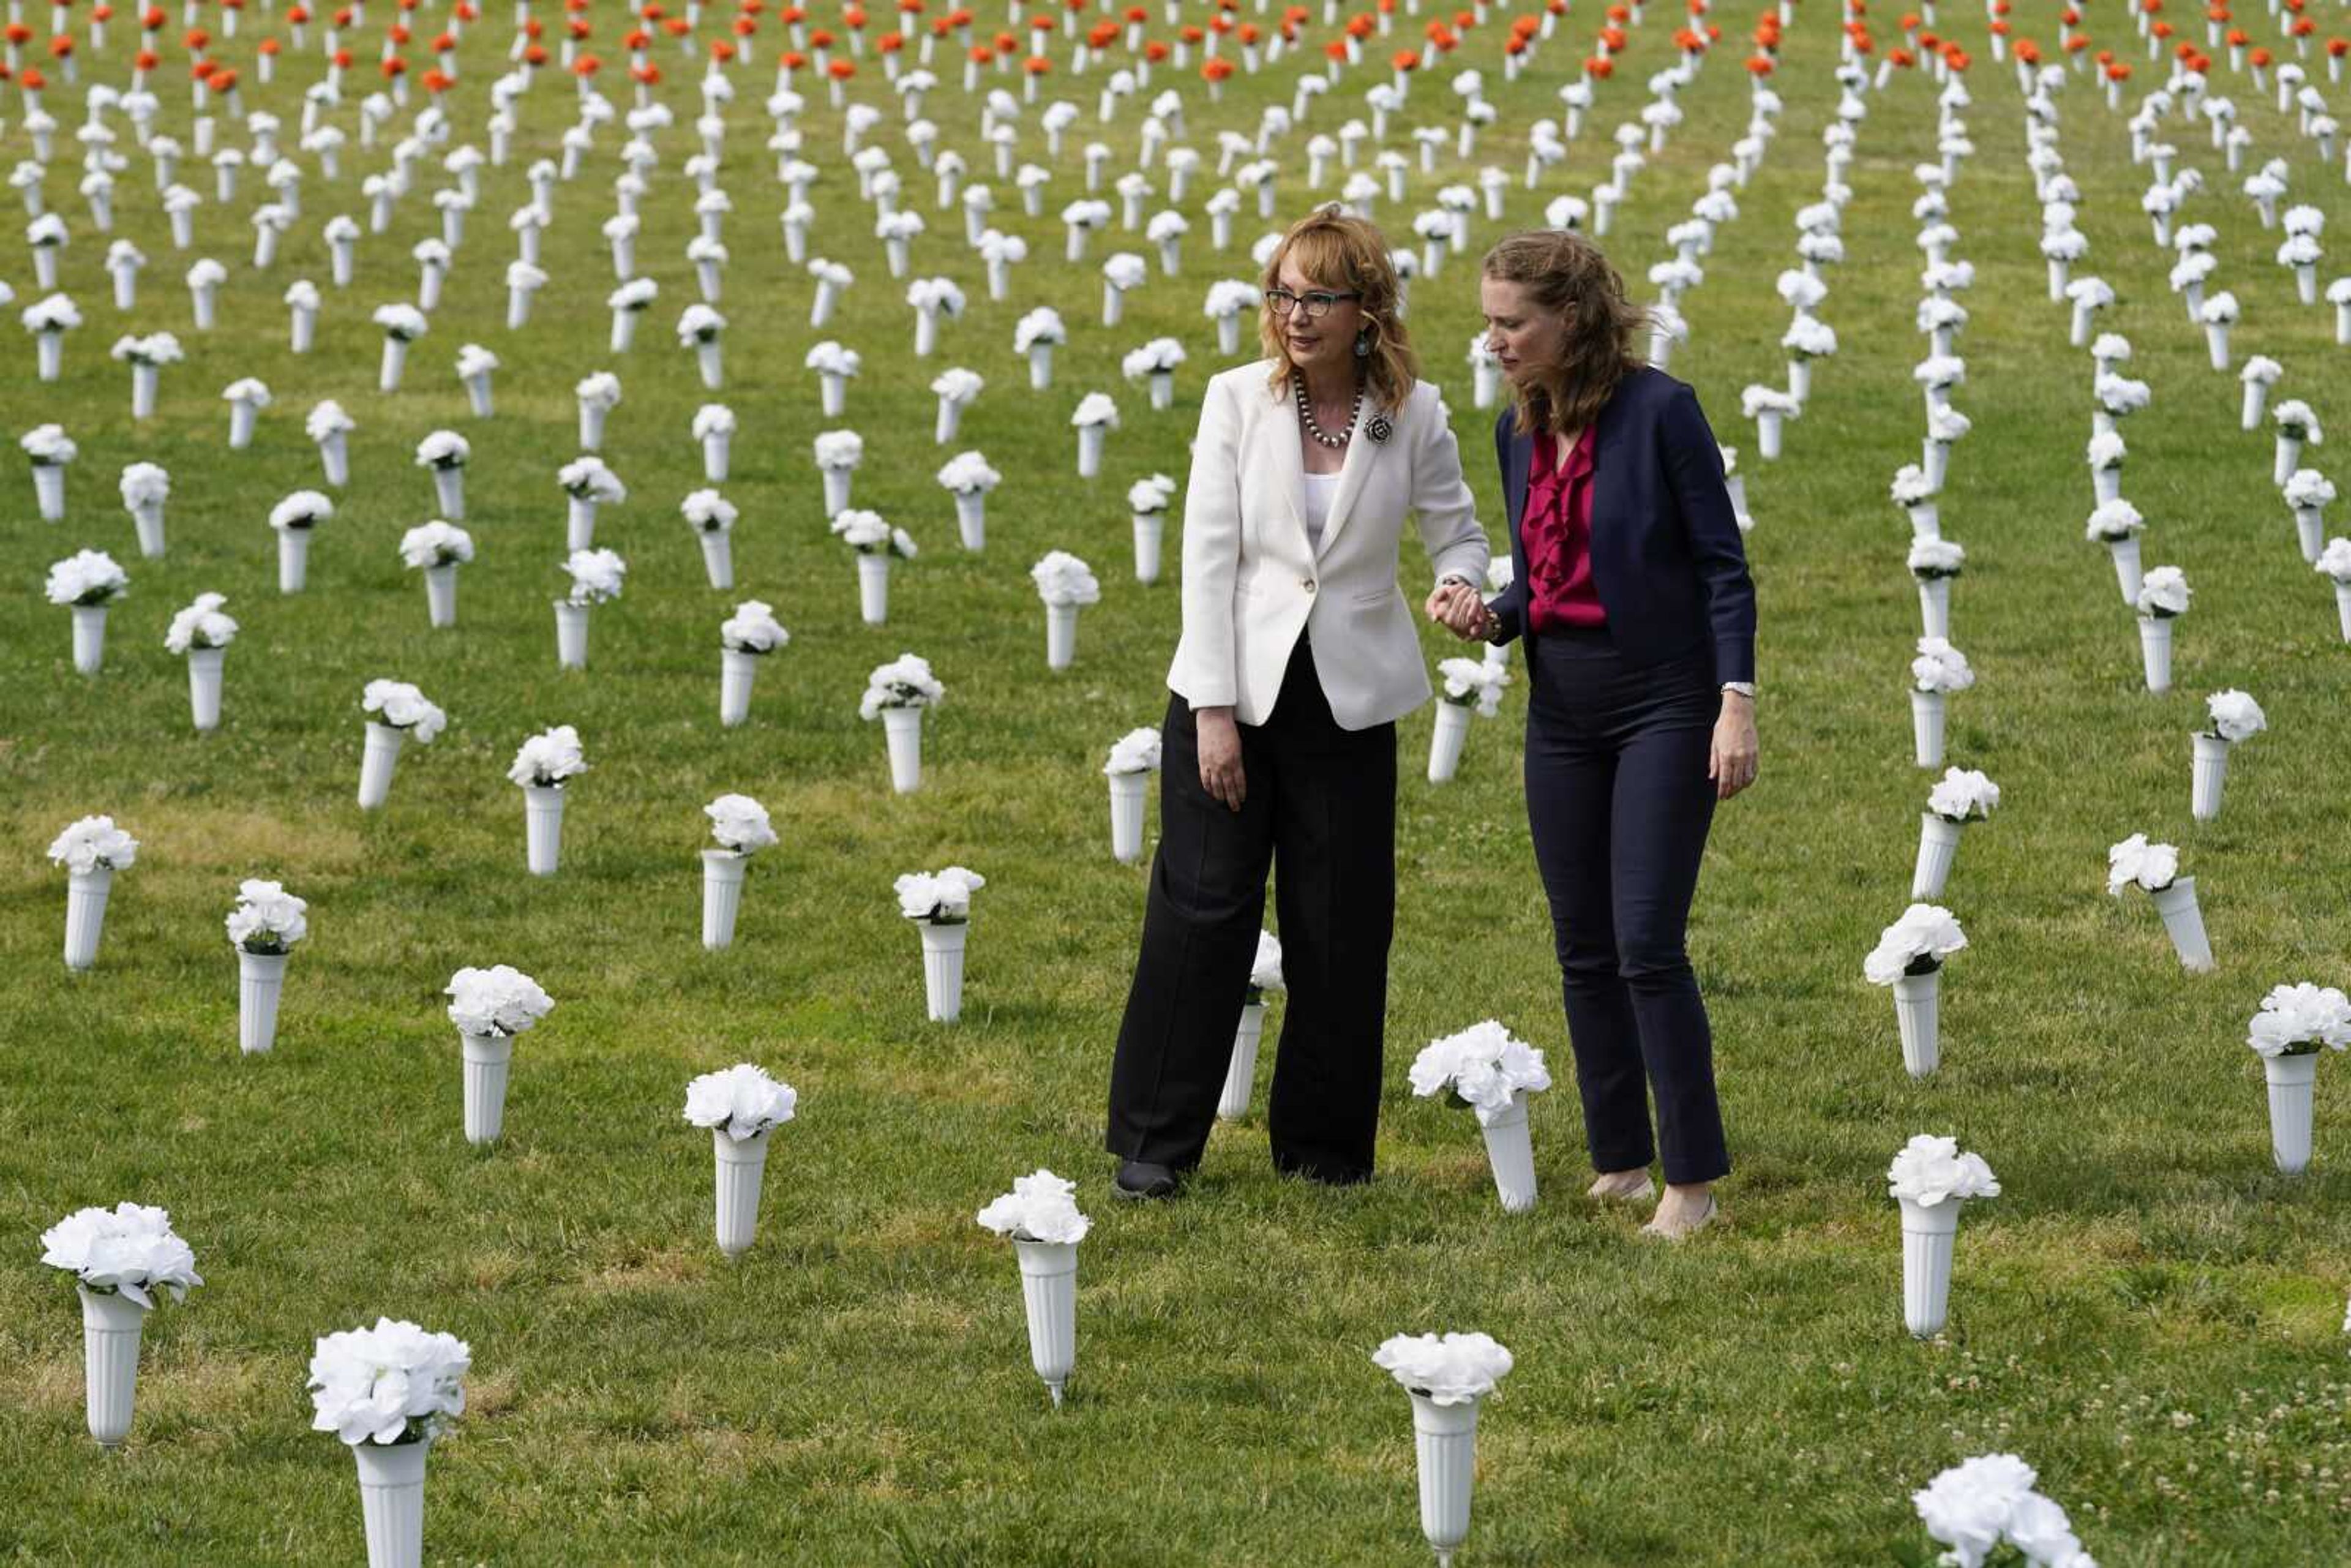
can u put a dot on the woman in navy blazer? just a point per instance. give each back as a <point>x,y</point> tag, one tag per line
<point>1632,593</point>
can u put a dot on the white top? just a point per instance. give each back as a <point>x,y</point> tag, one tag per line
<point>1322,489</point>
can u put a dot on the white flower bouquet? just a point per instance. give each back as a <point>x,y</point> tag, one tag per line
<point>476,366</point>
<point>1935,562</point>
<point>1095,418</point>
<point>48,320</point>
<point>741,828</point>
<point>1910,957</point>
<point>2333,563</point>
<point>392,1384</point>
<point>597,394</point>
<point>1064,583</point>
<point>896,693</point>
<point>2308,493</point>
<point>87,582</point>
<point>1930,1178</point>
<point>1770,407</point>
<point>147,356</point>
<point>201,632</point>
<point>699,327</point>
<point>2231,716</point>
<point>1466,685</point>
<point>1449,1377</point>
<point>1035,336</point>
<point>942,902</point>
<point>2135,863</point>
<point>437,549</point>
<point>1155,364</point>
<point>1040,1217</point>
<point>590,485</point>
<point>628,304</point>
<point>941,898</point>
<point>121,1260</point>
<point>91,850</point>
<point>968,478</point>
<point>748,635</point>
<point>444,454</point>
<point>1490,1071</point>
<point>931,300</point>
<point>1147,503</point>
<point>1938,670</point>
<point>401,325</point>
<point>1981,1504</point>
<point>262,928</point>
<point>543,766</point>
<point>956,389</point>
<point>1133,757</point>
<point>713,429</point>
<point>2116,524</point>
<point>835,366</point>
<point>145,487</point>
<point>2297,426</point>
<point>2294,1023</point>
<point>838,454</point>
<point>1964,795</point>
<point>740,1105</point>
<point>49,448</point>
<point>403,713</point>
<point>2163,596</point>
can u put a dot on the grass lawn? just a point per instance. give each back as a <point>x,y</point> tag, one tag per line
<point>2148,1313</point>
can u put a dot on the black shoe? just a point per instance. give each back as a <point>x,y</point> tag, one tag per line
<point>1141,1178</point>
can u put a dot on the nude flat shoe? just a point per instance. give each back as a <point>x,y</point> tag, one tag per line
<point>1679,1232</point>
<point>1606,1194</point>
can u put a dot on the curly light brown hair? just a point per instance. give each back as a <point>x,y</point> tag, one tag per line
<point>1340,252</point>
<point>1564,273</point>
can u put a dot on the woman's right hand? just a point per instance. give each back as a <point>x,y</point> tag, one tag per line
<point>1221,756</point>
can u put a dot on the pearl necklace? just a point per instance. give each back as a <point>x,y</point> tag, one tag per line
<point>1314,431</point>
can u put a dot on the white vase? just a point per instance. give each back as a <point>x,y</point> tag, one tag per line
<point>1926,519</point>
<point>441,594</point>
<point>742,1164</point>
<point>383,744</point>
<point>1126,793</point>
<point>873,586</point>
<point>902,728</point>
<point>570,634</point>
<point>1060,635</point>
<point>1240,1073</point>
<point>719,557</point>
<point>971,518</point>
<point>2155,651</point>
<point>1928,1233</point>
<point>395,358</point>
<point>1767,433</point>
<point>836,491</point>
<point>1917,1014</point>
<point>148,518</point>
<point>2291,1082</point>
<point>1927,726</point>
<point>580,524</point>
<point>89,637</point>
<point>449,491</point>
<point>86,895</point>
<point>1935,607</point>
<point>392,1502</point>
<point>942,948</point>
<point>735,672</point>
<point>592,426</point>
<point>1939,842</point>
<point>717,449</point>
<point>2210,775</point>
<point>111,1323</point>
<point>260,979</point>
<point>722,896</point>
<point>487,1059</point>
<point>1048,1290</point>
<point>2185,923</point>
<point>2343,609</point>
<point>1445,1443</point>
<point>1445,741</point>
<point>2310,532</point>
<point>1150,533</point>
<point>335,458</point>
<point>1090,449</point>
<point>1511,1150</point>
<point>204,686</point>
<point>2106,485</point>
<point>293,560</point>
<point>706,359</point>
<point>543,826</point>
<point>2125,552</point>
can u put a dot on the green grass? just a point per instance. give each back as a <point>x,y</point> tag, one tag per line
<point>2148,1313</point>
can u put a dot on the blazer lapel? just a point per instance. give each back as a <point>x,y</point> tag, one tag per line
<point>1289,473</point>
<point>1608,440</point>
<point>1361,453</point>
<point>1516,476</point>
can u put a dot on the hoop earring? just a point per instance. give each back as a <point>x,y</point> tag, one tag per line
<point>1364,344</point>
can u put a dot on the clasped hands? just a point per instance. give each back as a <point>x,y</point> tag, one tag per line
<point>1457,607</point>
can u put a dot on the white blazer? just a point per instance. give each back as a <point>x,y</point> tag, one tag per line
<point>1252,582</point>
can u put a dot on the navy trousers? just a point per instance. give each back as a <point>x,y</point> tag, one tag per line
<point>1619,804</point>
<point>1319,814</point>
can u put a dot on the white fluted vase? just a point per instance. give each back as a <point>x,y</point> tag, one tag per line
<point>1150,533</point>
<point>737,669</point>
<point>1929,1232</point>
<point>2184,921</point>
<point>392,1502</point>
<point>2210,778</point>
<point>1126,794</point>
<point>1511,1150</point>
<point>942,953</point>
<point>1048,1290</point>
<point>1445,1444</point>
<point>1917,1014</point>
<point>260,981</point>
<point>1060,635</point>
<point>204,686</point>
<point>741,1168</point>
<point>542,827</point>
<point>441,595</point>
<point>383,744</point>
<point>902,729</point>
<point>1445,741</point>
<point>111,1326</point>
<point>721,896</point>
<point>489,1058</point>
<point>86,895</point>
<point>2293,1081</point>
<point>1938,845</point>
<point>89,638</point>
<point>2155,651</point>
<point>1927,726</point>
<point>1241,1074</point>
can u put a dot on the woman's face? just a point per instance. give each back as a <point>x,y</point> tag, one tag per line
<point>1522,334</point>
<point>1323,345</point>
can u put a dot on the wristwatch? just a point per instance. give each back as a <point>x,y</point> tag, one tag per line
<point>1744,688</point>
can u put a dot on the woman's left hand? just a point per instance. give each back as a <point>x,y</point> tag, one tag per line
<point>1731,759</point>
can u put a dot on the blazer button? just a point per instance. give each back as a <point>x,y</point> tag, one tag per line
<point>1308,584</point>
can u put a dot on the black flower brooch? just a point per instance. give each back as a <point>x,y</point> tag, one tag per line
<point>1379,429</point>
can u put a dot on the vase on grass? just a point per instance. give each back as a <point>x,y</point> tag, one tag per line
<point>543,766</point>
<point>202,632</point>
<point>1240,1073</point>
<point>121,1260</point>
<point>1065,583</point>
<point>295,520</point>
<point>941,905</point>
<point>741,1105</point>
<point>1909,960</point>
<point>145,487</point>
<point>896,693</point>
<point>748,636</point>
<point>968,478</point>
<point>436,548</point>
<point>404,713</point>
<point>1937,671</point>
<point>1468,685</point>
<point>489,1008</point>
<point>1133,758</point>
<point>91,850</point>
<point>742,827</point>
<point>1490,1071</point>
<point>266,923</point>
<point>387,1392</point>
<point>1963,795</point>
<point>2295,1024</point>
<point>1449,1377</point>
<point>1930,1178</point>
<point>1040,1218</point>
<point>2234,717</point>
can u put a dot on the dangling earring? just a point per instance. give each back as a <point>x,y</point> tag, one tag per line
<point>1364,344</point>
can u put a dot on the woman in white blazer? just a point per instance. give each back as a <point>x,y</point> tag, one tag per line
<point>1297,655</point>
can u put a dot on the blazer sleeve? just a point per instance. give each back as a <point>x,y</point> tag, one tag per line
<point>1441,502</point>
<point>1509,607</point>
<point>1693,463</point>
<point>1212,553</point>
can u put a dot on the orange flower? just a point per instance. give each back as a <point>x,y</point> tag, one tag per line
<point>1037,66</point>
<point>1217,69</point>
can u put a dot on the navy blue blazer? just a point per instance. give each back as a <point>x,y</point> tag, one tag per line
<point>1665,552</point>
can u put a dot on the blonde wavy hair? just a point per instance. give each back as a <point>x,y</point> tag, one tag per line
<point>1345,254</point>
<point>1563,272</point>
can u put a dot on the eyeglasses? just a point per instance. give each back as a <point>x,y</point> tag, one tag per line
<point>1319,302</point>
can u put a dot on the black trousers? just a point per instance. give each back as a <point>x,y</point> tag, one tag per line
<point>1319,813</point>
<point>1619,804</point>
